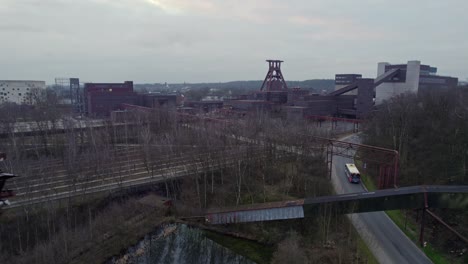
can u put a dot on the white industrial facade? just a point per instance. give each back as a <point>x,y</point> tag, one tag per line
<point>414,78</point>
<point>388,90</point>
<point>20,92</point>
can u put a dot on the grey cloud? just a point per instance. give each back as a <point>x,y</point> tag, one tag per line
<point>224,40</point>
<point>21,28</point>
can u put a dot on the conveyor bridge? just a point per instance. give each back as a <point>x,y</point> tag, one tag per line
<point>453,197</point>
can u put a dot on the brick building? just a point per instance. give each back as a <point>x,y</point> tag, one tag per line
<point>102,98</point>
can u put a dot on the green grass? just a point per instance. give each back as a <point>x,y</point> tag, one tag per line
<point>365,178</point>
<point>252,250</point>
<point>408,227</point>
<point>367,181</point>
<point>434,255</point>
<point>365,252</point>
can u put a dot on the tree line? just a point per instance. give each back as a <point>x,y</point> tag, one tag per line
<point>430,131</point>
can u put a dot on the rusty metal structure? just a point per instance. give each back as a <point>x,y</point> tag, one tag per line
<point>5,194</point>
<point>274,80</point>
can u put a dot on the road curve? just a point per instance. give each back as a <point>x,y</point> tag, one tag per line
<point>385,239</point>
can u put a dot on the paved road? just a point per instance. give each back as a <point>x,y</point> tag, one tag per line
<point>386,241</point>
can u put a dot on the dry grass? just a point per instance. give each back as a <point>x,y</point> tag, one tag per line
<point>111,231</point>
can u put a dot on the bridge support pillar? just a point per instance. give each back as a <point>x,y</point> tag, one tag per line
<point>421,231</point>
<point>386,176</point>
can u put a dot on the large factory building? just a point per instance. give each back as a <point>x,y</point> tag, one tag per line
<point>102,98</point>
<point>412,77</point>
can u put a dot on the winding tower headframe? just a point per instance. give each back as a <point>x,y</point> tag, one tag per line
<point>274,80</point>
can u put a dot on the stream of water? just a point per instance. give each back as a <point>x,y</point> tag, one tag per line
<point>179,244</point>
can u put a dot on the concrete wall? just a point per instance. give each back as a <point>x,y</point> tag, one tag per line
<point>295,112</point>
<point>103,103</point>
<point>345,101</point>
<point>388,90</point>
<point>159,100</point>
<point>251,105</point>
<point>20,92</point>
<point>102,98</point>
<point>428,83</point>
<point>296,95</point>
<point>204,106</point>
<point>279,97</point>
<point>364,99</point>
<point>319,105</point>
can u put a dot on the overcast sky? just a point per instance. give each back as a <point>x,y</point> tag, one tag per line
<point>150,41</point>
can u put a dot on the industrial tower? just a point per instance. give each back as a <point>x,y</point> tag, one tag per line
<point>76,93</point>
<point>274,80</point>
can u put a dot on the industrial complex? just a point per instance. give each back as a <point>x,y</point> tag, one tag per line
<point>353,97</point>
<point>100,99</point>
<point>411,77</point>
<point>160,149</point>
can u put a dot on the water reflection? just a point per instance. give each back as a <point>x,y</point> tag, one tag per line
<point>179,244</point>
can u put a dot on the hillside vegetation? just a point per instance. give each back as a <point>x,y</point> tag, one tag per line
<point>430,131</point>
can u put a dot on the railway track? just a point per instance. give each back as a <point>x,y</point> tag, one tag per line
<point>122,173</point>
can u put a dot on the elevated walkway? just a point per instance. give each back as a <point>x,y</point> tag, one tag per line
<point>453,197</point>
<point>345,89</point>
<point>377,81</point>
<point>386,76</point>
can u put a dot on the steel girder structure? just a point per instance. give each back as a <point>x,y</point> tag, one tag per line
<point>274,76</point>
<point>76,93</point>
<point>387,159</point>
<point>414,197</point>
<point>430,202</point>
